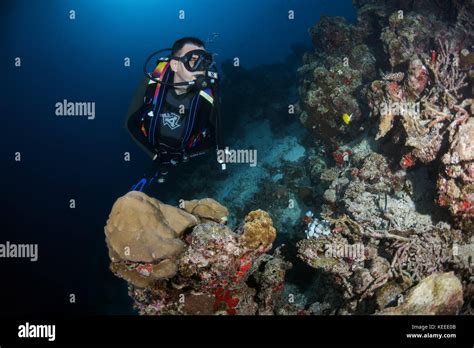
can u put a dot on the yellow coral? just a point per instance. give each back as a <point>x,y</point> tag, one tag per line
<point>258,230</point>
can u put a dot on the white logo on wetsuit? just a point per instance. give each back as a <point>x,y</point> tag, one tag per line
<point>171,120</point>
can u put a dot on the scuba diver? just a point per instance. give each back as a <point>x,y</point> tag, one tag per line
<point>175,114</point>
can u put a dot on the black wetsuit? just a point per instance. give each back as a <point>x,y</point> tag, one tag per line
<point>173,117</point>
<point>178,126</point>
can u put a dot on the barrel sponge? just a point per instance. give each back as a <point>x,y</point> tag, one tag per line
<point>258,230</point>
<point>143,229</point>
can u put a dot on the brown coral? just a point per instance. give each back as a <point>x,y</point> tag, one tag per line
<point>207,209</point>
<point>143,237</point>
<point>143,229</point>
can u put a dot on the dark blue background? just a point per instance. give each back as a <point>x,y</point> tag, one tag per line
<point>63,157</point>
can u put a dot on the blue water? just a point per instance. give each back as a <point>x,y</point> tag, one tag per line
<point>67,158</point>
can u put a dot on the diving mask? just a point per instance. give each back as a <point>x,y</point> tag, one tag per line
<point>193,61</point>
<point>196,60</point>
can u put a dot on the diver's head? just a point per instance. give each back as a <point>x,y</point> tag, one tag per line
<point>189,59</point>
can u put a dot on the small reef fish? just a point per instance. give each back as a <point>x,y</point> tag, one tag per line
<point>346,118</point>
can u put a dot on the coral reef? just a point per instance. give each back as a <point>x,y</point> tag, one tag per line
<point>373,193</point>
<point>332,77</point>
<point>386,234</point>
<point>379,195</point>
<point>176,264</point>
<point>408,67</point>
<point>270,272</point>
<point>430,106</point>
<point>456,182</point>
<point>373,268</point>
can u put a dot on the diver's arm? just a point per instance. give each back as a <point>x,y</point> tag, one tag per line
<point>132,121</point>
<point>132,126</point>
